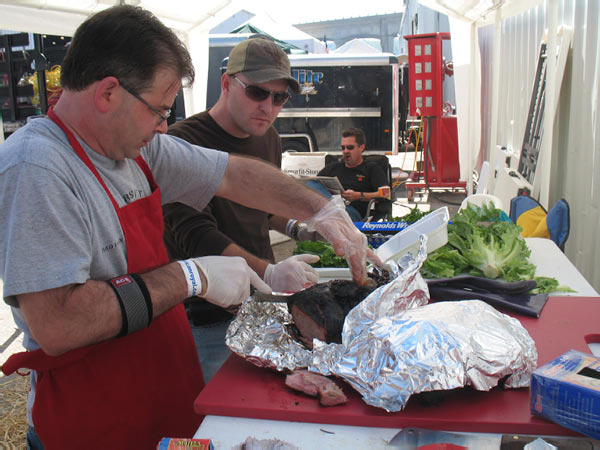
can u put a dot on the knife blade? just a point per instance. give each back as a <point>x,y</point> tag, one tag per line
<point>275,297</point>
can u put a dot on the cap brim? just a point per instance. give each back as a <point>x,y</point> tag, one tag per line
<point>265,75</point>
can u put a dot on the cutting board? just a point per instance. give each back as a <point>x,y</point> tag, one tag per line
<point>241,389</point>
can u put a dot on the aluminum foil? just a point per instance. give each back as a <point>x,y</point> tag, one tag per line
<point>395,344</point>
<point>261,334</point>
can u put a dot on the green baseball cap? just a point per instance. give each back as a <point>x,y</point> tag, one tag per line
<point>261,60</point>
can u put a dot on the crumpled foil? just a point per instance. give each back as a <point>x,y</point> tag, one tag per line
<point>395,344</point>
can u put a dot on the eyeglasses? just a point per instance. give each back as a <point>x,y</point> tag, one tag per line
<point>162,116</point>
<point>259,94</point>
<point>349,147</point>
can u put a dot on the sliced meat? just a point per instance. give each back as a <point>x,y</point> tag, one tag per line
<point>305,381</point>
<point>319,311</point>
<point>331,395</point>
<point>313,384</point>
<point>252,443</point>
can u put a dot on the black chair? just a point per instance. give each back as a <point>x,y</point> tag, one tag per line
<point>381,208</point>
<point>378,208</point>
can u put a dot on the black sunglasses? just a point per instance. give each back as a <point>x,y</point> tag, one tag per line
<point>259,94</point>
<point>349,147</point>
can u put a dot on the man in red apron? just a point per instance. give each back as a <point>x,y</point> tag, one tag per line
<point>83,263</point>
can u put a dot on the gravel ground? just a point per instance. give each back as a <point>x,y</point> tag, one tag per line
<point>13,399</point>
<point>13,389</point>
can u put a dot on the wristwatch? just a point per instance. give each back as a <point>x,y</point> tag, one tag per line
<point>362,195</point>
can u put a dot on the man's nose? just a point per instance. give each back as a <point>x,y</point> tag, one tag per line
<point>162,127</point>
<point>266,104</point>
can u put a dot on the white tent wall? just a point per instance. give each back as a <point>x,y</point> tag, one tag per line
<point>467,82</point>
<point>569,164</point>
<point>194,97</point>
<point>508,39</point>
<point>575,170</point>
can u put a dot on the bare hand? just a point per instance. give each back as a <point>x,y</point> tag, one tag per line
<point>351,195</point>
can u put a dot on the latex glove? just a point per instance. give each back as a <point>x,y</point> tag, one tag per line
<point>335,225</point>
<point>292,274</point>
<point>228,279</point>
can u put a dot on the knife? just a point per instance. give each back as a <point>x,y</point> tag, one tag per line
<point>272,298</point>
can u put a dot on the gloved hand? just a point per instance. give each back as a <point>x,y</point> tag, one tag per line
<point>228,279</point>
<point>292,274</point>
<point>335,225</point>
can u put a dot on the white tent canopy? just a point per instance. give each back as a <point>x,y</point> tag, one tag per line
<point>287,33</point>
<point>359,45</point>
<point>190,19</point>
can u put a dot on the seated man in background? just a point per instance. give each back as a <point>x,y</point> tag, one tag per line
<point>254,88</point>
<point>360,179</point>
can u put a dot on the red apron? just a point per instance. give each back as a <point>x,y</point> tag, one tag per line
<point>129,392</point>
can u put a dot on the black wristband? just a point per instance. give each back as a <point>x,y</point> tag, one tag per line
<point>140,281</point>
<point>134,301</point>
<point>124,324</point>
<point>295,231</point>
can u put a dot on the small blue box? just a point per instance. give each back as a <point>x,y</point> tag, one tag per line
<point>567,392</point>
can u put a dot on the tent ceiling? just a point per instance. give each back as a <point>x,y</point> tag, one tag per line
<point>480,11</point>
<point>61,17</point>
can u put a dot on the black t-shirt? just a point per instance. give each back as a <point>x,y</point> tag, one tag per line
<point>367,177</point>
<point>189,233</point>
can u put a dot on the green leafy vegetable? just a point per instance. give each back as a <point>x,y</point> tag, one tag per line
<point>481,243</point>
<point>322,249</point>
<point>446,262</point>
<point>547,284</point>
<point>414,215</point>
<point>494,250</point>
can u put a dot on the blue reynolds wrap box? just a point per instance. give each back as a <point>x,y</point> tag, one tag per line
<point>184,444</point>
<point>379,232</point>
<point>567,391</point>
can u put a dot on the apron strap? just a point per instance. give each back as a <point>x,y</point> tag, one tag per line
<point>149,176</point>
<point>81,153</point>
<point>38,360</point>
<point>86,159</point>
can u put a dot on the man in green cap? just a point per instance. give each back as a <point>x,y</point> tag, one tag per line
<point>254,88</point>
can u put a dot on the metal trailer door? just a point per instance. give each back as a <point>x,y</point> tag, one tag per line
<point>342,91</point>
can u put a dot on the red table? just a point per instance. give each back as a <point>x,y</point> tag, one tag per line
<point>241,389</point>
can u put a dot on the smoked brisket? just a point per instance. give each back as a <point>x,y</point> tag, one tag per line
<point>319,311</point>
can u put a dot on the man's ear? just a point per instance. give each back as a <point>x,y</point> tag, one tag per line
<point>226,81</point>
<point>107,93</point>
